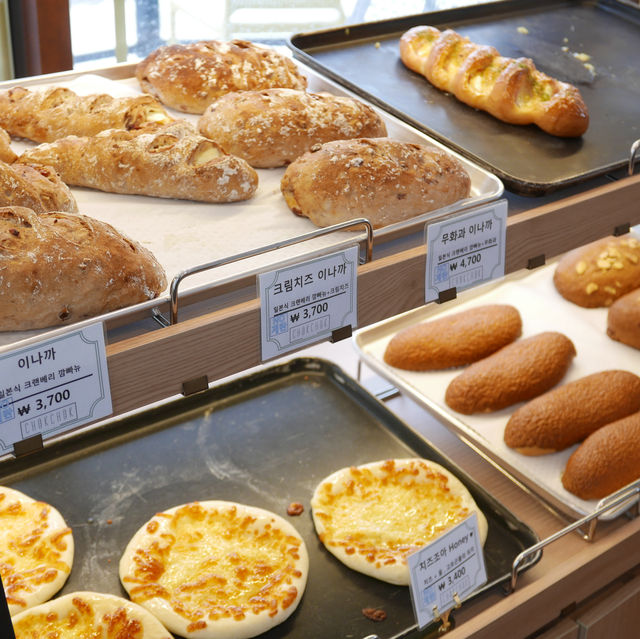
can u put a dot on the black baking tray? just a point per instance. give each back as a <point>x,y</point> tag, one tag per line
<point>365,58</point>
<point>265,440</point>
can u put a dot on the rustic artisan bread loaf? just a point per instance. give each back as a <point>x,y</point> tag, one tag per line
<point>516,373</point>
<point>172,162</point>
<point>606,461</point>
<point>623,319</point>
<point>455,340</point>
<point>7,154</point>
<point>58,268</point>
<point>512,90</point>
<point>49,114</point>
<point>568,414</point>
<point>381,179</point>
<point>600,272</point>
<point>36,187</point>
<point>273,127</point>
<point>188,77</point>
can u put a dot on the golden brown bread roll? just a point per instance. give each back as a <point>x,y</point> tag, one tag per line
<point>58,268</point>
<point>7,154</point>
<point>454,340</point>
<point>273,127</point>
<point>188,77</point>
<point>600,272</point>
<point>568,414</point>
<point>606,461</point>
<point>515,373</point>
<point>50,114</point>
<point>512,90</point>
<point>381,179</point>
<point>623,319</point>
<point>35,187</point>
<point>172,162</point>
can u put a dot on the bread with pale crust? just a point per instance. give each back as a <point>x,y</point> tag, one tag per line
<point>7,154</point>
<point>512,90</point>
<point>188,77</point>
<point>568,414</point>
<point>57,268</point>
<point>172,162</point>
<point>49,114</point>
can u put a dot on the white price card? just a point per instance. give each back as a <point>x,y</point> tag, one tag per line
<point>53,386</point>
<point>305,303</point>
<point>466,250</point>
<point>446,571</point>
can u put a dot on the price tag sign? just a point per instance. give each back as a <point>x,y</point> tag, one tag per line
<point>304,303</point>
<point>451,566</point>
<point>466,250</point>
<point>53,386</point>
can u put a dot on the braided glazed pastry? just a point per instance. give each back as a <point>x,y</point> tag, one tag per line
<point>512,90</point>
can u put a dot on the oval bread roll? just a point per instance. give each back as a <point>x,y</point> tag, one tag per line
<point>623,319</point>
<point>273,127</point>
<point>381,179</point>
<point>568,414</point>
<point>58,268</point>
<point>606,461</point>
<point>599,273</point>
<point>515,373</point>
<point>188,77</point>
<point>454,340</point>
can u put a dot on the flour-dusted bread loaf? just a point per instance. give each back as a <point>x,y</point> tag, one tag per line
<point>568,414</point>
<point>173,162</point>
<point>36,187</point>
<point>58,268</point>
<point>49,114</point>
<point>599,273</point>
<point>516,373</point>
<point>606,461</point>
<point>623,319</point>
<point>7,154</point>
<point>273,127</point>
<point>454,340</point>
<point>512,90</point>
<point>188,77</point>
<point>381,179</point>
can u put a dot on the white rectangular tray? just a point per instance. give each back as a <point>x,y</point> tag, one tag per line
<point>542,309</point>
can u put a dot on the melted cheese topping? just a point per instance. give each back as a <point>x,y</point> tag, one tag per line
<point>36,550</point>
<point>213,562</point>
<point>87,615</point>
<point>371,517</point>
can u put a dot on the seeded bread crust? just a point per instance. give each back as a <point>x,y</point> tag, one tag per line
<point>189,77</point>
<point>623,319</point>
<point>59,268</point>
<point>598,273</point>
<point>172,162</point>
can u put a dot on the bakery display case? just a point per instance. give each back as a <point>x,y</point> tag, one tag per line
<point>551,590</point>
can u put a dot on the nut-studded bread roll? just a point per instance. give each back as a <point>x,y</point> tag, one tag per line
<point>600,272</point>
<point>606,461</point>
<point>568,414</point>
<point>516,373</point>
<point>273,127</point>
<point>173,162</point>
<point>381,179</point>
<point>50,114</point>
<point>512,90</point>
<point>7,154</point>
<point>188,77</point>
<point>58,268</point>
<point>455,340</point>
<point>35,187</point>
<point>623,319</point>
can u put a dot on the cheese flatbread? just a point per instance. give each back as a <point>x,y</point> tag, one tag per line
<point>372,516</point>
<point>216,569</point>
<point>36,550</point>
<point>88,615</point>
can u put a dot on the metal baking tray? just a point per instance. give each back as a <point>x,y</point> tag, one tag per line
<point>365,58</point>
<point>266,440</point>
<point>529,292</point>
